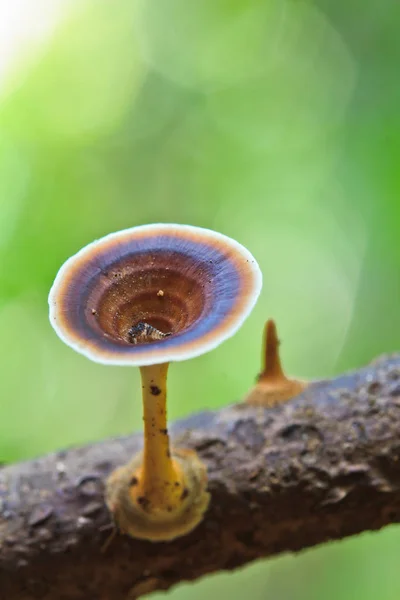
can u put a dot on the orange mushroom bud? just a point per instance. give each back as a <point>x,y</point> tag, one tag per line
<point>272,385</point>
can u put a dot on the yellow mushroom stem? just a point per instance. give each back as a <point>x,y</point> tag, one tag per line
<point>272,385</point>
<point>161,493</point>
<point>160,479</point>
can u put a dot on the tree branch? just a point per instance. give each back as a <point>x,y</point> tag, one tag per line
<point>323,466</point>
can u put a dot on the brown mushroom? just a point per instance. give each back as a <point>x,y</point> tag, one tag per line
<point>148,296</point>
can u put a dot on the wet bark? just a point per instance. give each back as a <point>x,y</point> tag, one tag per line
<point>322,466</point>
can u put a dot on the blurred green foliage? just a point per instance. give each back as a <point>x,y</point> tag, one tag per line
<point>273,121</point>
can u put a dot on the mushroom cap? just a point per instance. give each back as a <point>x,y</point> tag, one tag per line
<point>192,283</point>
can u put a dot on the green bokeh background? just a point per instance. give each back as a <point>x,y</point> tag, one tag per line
<point>276,122</point>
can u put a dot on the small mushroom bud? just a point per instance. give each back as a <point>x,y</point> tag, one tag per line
<point>145,297</point>
<point>272,385</point>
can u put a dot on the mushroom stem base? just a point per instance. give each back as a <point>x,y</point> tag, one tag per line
<point>142,519</point>
<point>271,393</point>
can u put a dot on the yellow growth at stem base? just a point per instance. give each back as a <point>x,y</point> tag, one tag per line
<point>161,494</point>
<point>273,386</point>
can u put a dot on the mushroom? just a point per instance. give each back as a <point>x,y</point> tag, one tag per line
<point>272,385</point>
<point>147,296</point>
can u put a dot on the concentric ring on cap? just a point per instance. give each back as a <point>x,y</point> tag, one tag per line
<point>196,285</point>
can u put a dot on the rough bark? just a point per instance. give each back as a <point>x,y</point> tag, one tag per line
<point>322,466</point>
